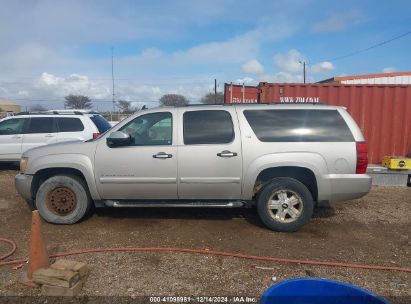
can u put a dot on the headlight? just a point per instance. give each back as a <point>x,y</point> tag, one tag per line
<point>23,164</point>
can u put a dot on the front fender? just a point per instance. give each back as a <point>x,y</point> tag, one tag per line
<point>79,162</point>
<point>312,161</point>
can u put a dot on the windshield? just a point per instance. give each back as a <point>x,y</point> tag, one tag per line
<point>101,123</point>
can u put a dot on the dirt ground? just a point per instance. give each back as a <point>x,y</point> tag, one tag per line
<point>372,230</point>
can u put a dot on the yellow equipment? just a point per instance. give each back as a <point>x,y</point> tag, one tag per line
<point>396,162</point>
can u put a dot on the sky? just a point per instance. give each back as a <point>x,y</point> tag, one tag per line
<point>49,49</point>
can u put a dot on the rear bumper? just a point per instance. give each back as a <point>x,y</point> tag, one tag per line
<point>349,186</point>
<point>23,186</point>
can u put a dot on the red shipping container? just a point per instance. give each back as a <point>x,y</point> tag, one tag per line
<point>383,112</point>
<point>234,93</point>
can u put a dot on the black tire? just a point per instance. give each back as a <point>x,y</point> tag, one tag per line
<point>63,199</point>
<point>280,218</point>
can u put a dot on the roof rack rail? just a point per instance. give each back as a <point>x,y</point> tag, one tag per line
<point>73,111</point>
<point>53,113</point>
<point>254,104</point>
<point>299,103</point>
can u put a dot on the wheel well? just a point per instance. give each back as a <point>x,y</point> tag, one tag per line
<point>303,175</point>
<point>44,174</point>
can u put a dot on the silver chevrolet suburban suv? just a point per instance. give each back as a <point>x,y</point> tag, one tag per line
<point>283,159</point>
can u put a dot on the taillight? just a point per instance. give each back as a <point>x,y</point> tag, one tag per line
<point>362,160</point>
<point>96,135</point>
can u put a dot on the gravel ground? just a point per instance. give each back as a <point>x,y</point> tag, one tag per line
<point>372,230</point>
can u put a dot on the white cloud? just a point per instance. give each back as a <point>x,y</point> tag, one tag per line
<point>322,67</point>
<point>246,81</point>
<point>338,22</point>
<point>253,66</point>
<point>67,47</point>
<point>289,68</point>
<point>233,50</point>
<point>282,77</point>
<point>52,85</point>
<point>389,70</point>
<point>290,62</point>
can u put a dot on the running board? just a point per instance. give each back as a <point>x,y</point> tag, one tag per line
<point>184,204</point>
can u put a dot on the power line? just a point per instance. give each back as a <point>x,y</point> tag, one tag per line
<point>60,100</point>
<point>136,82</point>
<point>157,78</point>
<point>369,48</point>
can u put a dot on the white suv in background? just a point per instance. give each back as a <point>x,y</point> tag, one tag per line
<point>28,130</point>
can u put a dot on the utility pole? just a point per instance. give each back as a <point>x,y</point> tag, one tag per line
<point>215,91</point>
<point>231,93</point>
<point>112,77</point>
<point>243,89</point>
<point>304,70</point>
<point>303,63</point>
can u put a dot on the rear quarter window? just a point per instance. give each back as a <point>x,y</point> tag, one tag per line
<point>68,124</point>
<point>298,125</point>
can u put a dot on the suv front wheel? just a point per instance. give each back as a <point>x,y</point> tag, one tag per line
<point>63,199</point>
<point>285,205</point>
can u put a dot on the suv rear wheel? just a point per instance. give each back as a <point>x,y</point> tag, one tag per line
<point>285,205</point>
<point>63,199</point>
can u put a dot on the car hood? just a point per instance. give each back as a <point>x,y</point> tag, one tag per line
<point>67,147</point>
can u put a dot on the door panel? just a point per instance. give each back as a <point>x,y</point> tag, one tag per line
<point>40,131</point>
<point>209,155</point>
<point>11,137</point>
<point>144,169</point>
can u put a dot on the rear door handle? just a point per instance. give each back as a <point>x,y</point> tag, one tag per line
<point>16,137</point>
<point>227,153</point>
<point>162,155</point>
<point>49,135</point>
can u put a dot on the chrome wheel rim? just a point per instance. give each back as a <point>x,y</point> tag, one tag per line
<point>61,201</point>
<point>285,206</point>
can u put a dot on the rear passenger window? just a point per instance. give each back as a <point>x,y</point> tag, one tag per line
<point>207,127</point>
<point>41,125</point>
<point>67,124</point>
<point>298,125</point>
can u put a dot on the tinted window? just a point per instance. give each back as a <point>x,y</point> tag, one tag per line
<point>101,123</point>
<point>150,129</point>
<point>67,124</point>
<point>12,126</point>
<point>41,125</point>
<point>207,127</point>
<point>298,125</point>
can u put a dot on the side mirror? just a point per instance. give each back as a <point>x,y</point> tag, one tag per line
<point>118,138</point>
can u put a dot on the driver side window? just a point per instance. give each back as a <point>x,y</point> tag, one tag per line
<point>12,126</point>
<point>154,129</point>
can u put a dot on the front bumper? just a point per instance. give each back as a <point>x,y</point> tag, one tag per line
<point>349,186</point>
<point>23,186</point>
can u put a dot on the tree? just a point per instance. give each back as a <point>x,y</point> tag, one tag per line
<point>126,107</point>
<point>37,108</point>
<point>175,100</point>
<point>210,98</point>
<point>78,102</point>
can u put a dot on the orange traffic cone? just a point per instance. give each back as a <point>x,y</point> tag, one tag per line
<point>38,257</point>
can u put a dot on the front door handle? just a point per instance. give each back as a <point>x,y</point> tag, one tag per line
<point>162,155</point>
<point>49,135</point>
<point>227,153</point>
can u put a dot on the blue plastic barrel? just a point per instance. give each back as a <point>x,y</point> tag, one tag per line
<point>318,291</point>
